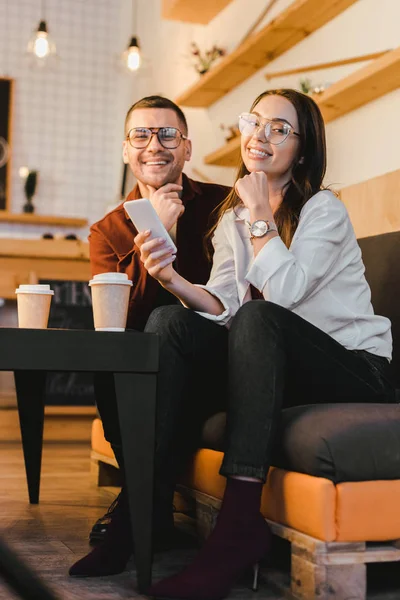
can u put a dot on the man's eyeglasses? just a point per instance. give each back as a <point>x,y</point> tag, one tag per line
<point>169,137</point>
<point>275,131</point>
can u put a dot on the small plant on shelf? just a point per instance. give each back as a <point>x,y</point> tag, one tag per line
<point>30,189</point>
<point>232,131</point>
<point>307,87</point>
<point>203,60</point>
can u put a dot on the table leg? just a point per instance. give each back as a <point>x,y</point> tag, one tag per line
<point>30,387</point>
<point>136,400</point>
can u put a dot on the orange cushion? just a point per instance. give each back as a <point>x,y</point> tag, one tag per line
<point>368,510</point>
<point>99,442</point>
<point>347,512</point>
<point>300,501</point>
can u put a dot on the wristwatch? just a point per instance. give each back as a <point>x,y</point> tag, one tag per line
<point>260,228</point>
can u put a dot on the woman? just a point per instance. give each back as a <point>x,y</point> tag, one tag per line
<point>309,335</point>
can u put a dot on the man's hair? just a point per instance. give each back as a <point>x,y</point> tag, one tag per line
<point>158,102</point>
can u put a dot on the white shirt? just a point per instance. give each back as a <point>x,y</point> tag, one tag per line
<point>320,277</point>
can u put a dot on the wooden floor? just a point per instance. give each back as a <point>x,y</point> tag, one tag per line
<point>51,536</point>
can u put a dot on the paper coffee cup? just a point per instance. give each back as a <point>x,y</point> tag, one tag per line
<point>110,301</point>
<point>33,305</point>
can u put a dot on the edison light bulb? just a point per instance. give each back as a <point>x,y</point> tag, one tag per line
<point>23,172</point>
<point>133,58</point>
<point>41,45</point>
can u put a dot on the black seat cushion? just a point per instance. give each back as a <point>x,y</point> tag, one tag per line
<point>341,442</point>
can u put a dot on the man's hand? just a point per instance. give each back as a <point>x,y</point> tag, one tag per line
<point>167,203</point>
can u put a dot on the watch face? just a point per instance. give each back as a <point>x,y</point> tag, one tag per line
<point>259,228</point>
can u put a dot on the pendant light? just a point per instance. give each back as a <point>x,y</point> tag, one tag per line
<point>41,45</point>
<point>132,58</point>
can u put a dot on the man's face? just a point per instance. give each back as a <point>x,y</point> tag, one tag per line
<point>156,165</point>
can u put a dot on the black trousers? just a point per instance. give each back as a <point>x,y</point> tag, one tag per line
<point>268,360</point>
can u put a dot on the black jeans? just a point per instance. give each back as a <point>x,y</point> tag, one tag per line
<point>269,359</point>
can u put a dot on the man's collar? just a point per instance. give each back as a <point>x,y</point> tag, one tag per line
<point>190,189</point>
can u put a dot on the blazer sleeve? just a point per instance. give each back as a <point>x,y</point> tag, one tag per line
<point>103,258</point>
<point>288,276</point>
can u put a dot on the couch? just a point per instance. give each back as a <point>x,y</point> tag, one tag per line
<point>338,509</point>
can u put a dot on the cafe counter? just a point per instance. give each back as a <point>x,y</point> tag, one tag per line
<point>31,260</point>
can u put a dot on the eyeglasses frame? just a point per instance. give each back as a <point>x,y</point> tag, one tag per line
<point>263,122</point>
<point>154,131</point>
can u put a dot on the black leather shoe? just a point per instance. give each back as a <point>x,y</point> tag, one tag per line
<point>99,529</point>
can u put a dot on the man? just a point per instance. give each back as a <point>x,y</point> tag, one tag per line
<point>156,148</point>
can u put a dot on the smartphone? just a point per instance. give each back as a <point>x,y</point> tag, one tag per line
<point>143,216</point>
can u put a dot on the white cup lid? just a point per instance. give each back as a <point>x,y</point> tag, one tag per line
<point>121,278</point>
<point>37,288</point>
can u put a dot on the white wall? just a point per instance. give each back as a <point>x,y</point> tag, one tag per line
<point>361,144</point>
<point>68,121</point>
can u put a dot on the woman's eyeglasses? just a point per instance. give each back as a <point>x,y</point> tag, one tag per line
<point>275,130</point>
<point>169,137</point>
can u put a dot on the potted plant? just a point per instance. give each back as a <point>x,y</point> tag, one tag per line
<point>30,189</point>
<point>203,60</point>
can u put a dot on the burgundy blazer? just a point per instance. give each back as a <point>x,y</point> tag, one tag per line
<point>112,248</point>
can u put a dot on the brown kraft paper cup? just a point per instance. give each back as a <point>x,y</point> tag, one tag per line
<point>110,301</point>
<point>33,306</point>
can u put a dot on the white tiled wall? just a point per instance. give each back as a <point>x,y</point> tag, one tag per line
<point>68,120</point>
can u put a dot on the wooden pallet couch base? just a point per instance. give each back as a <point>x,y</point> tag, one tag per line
<point>318,569</point>
<point>334,529</point>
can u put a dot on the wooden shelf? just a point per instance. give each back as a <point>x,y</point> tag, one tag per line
<point>190,11</point>
<point>379,77</point>
<point>226,156</point>
<point>49,249</point>
<point>32,219</point>
<point>360,87</point>
<point>299,20</point>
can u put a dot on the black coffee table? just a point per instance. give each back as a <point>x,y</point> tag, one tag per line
<point>132,359</point>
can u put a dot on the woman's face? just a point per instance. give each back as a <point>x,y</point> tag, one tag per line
<point>258,153</point>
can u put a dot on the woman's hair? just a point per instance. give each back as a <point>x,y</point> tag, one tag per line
<point>307,175</point>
